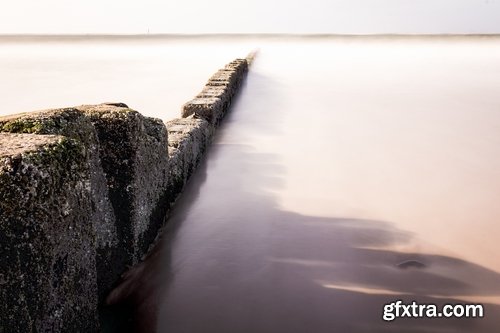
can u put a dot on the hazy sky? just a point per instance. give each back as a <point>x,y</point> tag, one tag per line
<point>259,16</point>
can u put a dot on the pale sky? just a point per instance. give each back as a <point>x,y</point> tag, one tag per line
<point>255,16</point>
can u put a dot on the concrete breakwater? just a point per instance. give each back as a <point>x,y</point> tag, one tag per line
<point>84,192</point>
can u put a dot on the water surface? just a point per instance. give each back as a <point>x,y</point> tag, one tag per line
<point>342,159</point>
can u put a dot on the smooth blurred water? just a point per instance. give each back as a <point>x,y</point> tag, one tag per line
<point>342,158</point>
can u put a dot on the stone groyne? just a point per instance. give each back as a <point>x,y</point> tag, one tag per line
<point>84,192</point>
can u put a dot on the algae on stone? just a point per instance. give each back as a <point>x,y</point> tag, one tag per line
<point>73,123</point>
<point>48,247</point>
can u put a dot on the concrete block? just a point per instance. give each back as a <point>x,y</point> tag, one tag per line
<point>134,155</point>
<point>188,140</point>
<point>47,272</point>
<point>210,109</point>
<point>72,123</point>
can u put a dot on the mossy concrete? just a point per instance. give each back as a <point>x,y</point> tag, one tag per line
<point>47,272</point>
<point>73,123</point>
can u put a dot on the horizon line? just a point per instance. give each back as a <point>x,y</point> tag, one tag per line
<point>153,35</point>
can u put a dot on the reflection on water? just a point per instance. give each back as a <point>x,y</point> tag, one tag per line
<point>343,158</point>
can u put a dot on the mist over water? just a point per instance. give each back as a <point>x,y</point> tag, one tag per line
<point>342,158</point>
<point>395,130</point>
<point>152,76</point>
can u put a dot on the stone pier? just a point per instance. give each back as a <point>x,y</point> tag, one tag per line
<point>84,192</point>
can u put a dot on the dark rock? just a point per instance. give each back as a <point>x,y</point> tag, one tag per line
<point>411,264</point>
<point>47,237</point>
<point>134,156</point>
<point>72,123</point>
<point>121,105</point>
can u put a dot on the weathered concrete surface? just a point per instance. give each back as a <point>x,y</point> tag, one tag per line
<point>134,156</point>
<point>240,65</point>
<point>47,266</point>
<point>215,92</point>
<point>72,123</point>
<point>188,140</point>
<point>128,156</point>
<point>210,109</point>
<point>225,77</point>
<point>215,99</point>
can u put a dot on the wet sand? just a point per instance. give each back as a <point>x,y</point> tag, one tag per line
<point>340,161</point>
